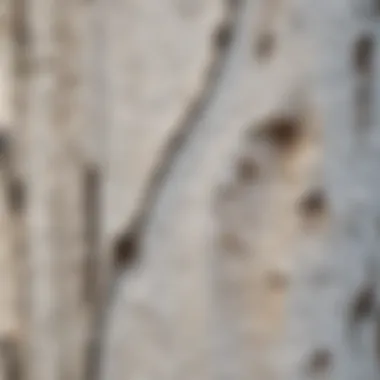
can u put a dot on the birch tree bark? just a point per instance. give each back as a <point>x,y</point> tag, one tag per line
<point>189,189</point>
<point>265,259</point>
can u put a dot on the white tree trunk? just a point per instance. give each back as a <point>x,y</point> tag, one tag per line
<point>190,189</point>
<point>272,261</point>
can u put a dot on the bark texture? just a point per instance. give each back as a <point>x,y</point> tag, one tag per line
<point>189,189</point>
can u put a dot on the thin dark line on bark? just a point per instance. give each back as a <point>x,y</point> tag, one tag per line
<point>92,217</point>
<point>135,230</point>
<point>92,214</point>
<point>179,139</point>
<point>98,26</point>
<point>364,51</point>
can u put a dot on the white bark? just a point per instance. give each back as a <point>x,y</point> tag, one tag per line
<point>201,191</point>
<point>284,304</point>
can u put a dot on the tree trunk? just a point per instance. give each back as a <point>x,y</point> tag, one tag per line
<point>189,190</point>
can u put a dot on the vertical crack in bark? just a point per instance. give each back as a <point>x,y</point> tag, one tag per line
<point>17,191</point>
<point>189,122</point>
<point>132,233</point>
<point>91,190</point>
<point>91,211</point>
<point>10,346</point>
<point>364,51</point>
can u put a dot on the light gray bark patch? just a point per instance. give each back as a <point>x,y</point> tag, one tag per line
<point>231,243</point>
<point>377,337</point>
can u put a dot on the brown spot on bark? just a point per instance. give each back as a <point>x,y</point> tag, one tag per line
<point>5,144</point>
<point>231,242</point>
<point>125,250</point>
<point>247,169</point>
<point>277,280</point>
<point>320,362</point>
<point>265,45</point>
<point>313,203</point>
<point>364,53</point>
<point>223,35</point>
<point>16,195</point>
<point>363,63</point>
<point>363,304</point>
<point>282,131</point>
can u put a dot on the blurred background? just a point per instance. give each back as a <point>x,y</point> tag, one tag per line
<point>189,189</point>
